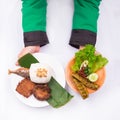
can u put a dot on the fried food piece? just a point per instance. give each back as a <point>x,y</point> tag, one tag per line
<point>86,82</point>
<point>81,88</point>
<point>23,72</point>
<point>25,87</point>
<point>41,92</point>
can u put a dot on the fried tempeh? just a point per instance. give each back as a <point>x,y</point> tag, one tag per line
<point>25,87</point>
<point>85,82</point>
<point>81,88</point>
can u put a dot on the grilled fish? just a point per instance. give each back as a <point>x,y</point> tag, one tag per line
<point>23,72</point>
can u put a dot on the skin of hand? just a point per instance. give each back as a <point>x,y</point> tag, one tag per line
<point>28,49</point>
<point>81,47</point>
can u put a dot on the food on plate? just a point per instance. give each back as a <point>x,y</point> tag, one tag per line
<point>85,82</point>
<point>86,68</point>
<point>81,88</point>
<point>25,87</point>
<point>35,78</point>
<point>95,61</point>
<point>52,92</point>
<point>23,72</point>
<point>40,72</point>
<point>41,92</point>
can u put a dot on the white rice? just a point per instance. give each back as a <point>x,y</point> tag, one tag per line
<point>34,70</point>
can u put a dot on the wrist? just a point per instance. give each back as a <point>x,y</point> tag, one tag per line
<point>33,49</point>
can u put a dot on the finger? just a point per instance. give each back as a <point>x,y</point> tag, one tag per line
<point>23,52</point>
<point>17,64</point>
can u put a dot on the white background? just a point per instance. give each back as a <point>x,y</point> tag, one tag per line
<point>103,104</point>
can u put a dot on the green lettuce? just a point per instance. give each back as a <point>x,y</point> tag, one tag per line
<point>95,61</point>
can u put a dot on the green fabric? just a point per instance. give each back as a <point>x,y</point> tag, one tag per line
<point>86,13</point>
<point>34,15</point>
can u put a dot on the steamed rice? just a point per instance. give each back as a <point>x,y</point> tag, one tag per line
<point>40,72</point>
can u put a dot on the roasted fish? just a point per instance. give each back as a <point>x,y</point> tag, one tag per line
<point>23,72</point>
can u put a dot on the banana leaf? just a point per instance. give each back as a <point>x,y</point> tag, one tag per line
<point>27,60</point>
<point>59,95</point>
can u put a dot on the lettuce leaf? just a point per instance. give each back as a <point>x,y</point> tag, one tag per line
<point>99,63</point>
<point>95,62</point>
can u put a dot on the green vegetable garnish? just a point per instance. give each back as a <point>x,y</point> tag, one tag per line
<point>95,61</point>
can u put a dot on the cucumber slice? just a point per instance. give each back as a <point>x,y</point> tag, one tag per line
<point>93,77</point>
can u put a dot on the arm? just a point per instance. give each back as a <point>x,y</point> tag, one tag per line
<point>34,26</point>
<point>85,18</point>
<point>34,22</point>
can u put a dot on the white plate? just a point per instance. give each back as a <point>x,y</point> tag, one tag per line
<point>59,75</point>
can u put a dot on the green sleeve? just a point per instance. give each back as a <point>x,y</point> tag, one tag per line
<point>34,15</point>
<point>86,13</point>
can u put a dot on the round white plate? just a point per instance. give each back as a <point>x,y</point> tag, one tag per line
<point>58,74</point>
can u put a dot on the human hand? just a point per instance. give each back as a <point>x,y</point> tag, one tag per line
<point>81,47</point>
<point>28,49</point>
